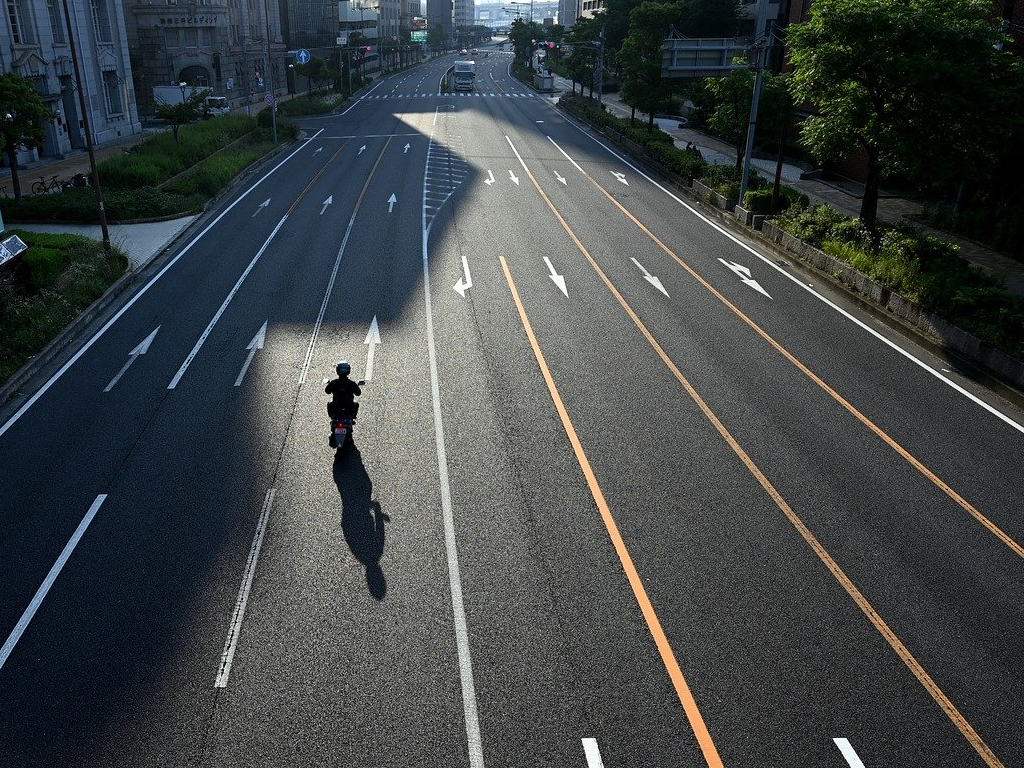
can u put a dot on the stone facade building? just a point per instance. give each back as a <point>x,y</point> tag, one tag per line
<point>219,44</point>
<point>34,43</point>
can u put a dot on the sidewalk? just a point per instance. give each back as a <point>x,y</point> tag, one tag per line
<point>891,210</point>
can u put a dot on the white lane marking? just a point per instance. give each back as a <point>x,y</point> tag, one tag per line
<point>391,202</point>
<point>372,340</point>
<point>469,706</point>
<point>490,178</point>
<point>744,274</point>
<point>465,282</point>
<point>323,305</point>
<point>216,317</point>
<point>558,279</point>
<point>142,291</point>
<point>920,363</point>
<point>593,753</point>
<point>262,205</point>
<point>254,345</point>
<point>849,753</point>
<point>228,655</point>
<point>140,349</point>
<point>649,277</point>
<point>328,201</point>
<point>26,617</point>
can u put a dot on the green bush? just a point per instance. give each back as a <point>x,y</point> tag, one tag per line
<point>287,129</point>
<point>42,266</point>
<point>31,315</point>
<point>760,200</point>
<point>318,103</point>
<point>687,164</point>
<point>216,173</point>
<point>725,179</point>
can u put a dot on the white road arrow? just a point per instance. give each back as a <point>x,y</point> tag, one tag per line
<point>466,282</point>
<point>561,178</point>
<point>372,339</point>
<point>361,150</point>
<point>391,202</point>
<point>318,149</point>
<point>649,277</point>
<point>557,278</point>
<point>515,179</point>
<point>406,149</point>
<point>328,201</point>
<point>621,177</point>
<point>140,349</point>
<point>744,274</point>
<point>261,206</point>
<point>490,178</point>
<point>256,343</point>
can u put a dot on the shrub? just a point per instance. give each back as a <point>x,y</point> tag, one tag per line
<point>760,200</point>
<point>41,267</point>
<point>686,164</point>
<point>216,173</point>
<point>318,103</point>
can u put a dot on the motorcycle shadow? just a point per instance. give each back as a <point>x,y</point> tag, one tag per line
<point>362,519</point>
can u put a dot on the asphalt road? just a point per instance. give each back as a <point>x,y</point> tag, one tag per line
<point>624,489</point>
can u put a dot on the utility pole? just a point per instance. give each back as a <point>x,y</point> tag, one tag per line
<point>600,65</point>
<point>762,44</point>
<point>88,131</point>
<point>270,76</point>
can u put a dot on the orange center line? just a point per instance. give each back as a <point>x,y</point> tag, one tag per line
<point>939,483</point>
<point>926,681</point>
<point>668,657</point>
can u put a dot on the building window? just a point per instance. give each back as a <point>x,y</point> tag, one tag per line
<point>112,93</point>
<point>100,21</point>
<point>191,37</point>
<point>55,22</point>
<point>21,30</point>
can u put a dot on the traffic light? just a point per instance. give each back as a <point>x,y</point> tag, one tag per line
<point>551,46</point>
<point>367,49</point>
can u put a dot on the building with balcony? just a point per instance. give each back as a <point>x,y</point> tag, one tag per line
<point>34,43</point>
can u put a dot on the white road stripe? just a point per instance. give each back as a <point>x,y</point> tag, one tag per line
<point>216,317</point>
<point>896,347</point>
<point>469,706</point>
<point>128,305</point>
<point>44,588</point>
<point>849,753</point>
<point>243,595</point>
<point>593,753</point>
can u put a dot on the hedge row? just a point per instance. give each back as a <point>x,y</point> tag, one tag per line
<point>46,288</point>
<point>921,268</point>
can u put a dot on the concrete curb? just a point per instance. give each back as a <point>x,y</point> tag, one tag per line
<point>996,370</point>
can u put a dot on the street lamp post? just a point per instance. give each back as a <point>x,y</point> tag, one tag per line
<point>270,77</point>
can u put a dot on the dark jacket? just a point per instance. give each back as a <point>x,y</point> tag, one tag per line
<point>343,392</point>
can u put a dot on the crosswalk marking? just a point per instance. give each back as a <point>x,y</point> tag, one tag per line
<point>469,95</point>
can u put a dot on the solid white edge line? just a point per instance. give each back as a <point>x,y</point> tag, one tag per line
<point>937,374</point>
<point>44,588</point>
<point>469,706</point>
<point>224,306</point>
<point>592,753</point>
<point>849,753</point>
<point>128,305</point>
<point>323,305</point>
<point>235,627</point>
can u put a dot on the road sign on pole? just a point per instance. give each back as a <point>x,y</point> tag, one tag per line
<point>302,56</point>
<point>269,99</point>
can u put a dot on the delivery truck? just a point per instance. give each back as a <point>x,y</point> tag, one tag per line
<point>464,75</point>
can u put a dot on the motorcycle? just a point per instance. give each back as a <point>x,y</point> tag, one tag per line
<point>342,423</point>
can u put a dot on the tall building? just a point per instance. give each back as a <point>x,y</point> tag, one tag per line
<point>463,14</point>
<point>440,13</point>
<point>34,43</point>
<point>568,12</point>
<point>222,46</point>
<point>309,23</point>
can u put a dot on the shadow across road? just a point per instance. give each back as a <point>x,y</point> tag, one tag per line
<point>362,519</point>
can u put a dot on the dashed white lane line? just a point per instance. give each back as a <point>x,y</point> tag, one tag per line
<point>243,595</point>
<point>849,753</point>
<point>593,753</point>
<point>26,617</point>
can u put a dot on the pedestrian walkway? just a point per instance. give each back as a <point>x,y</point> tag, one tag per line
<point>845,198</point>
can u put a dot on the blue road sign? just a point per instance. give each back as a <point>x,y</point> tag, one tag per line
<point>302,56</point>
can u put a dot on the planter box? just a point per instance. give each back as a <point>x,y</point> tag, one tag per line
<point>953,337</point>
<point>705,192</point>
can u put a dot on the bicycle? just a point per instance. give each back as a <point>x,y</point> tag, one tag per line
<point>43,186</point>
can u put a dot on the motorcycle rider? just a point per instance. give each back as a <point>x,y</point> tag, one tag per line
<point>343,391</point>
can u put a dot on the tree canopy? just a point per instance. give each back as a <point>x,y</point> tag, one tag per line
<point>23,115</point>
<point>730,115</point>
<point>187,111</point>
<point>905,82</point>
<point>640,59</point>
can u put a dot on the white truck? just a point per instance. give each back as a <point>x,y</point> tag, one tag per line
<point>176,94</point>
<point>464,75</point>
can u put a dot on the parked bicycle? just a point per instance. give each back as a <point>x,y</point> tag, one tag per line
<point>43,186</point>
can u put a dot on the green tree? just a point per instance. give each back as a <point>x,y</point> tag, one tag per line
<point>23,115</point>
<point>730,116</point>
<point>318,73</point>
<point>523,35</point>
<point>640,60</point>
<point>192,108</point>
<point>437,38</point>
<point>897,80</point>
